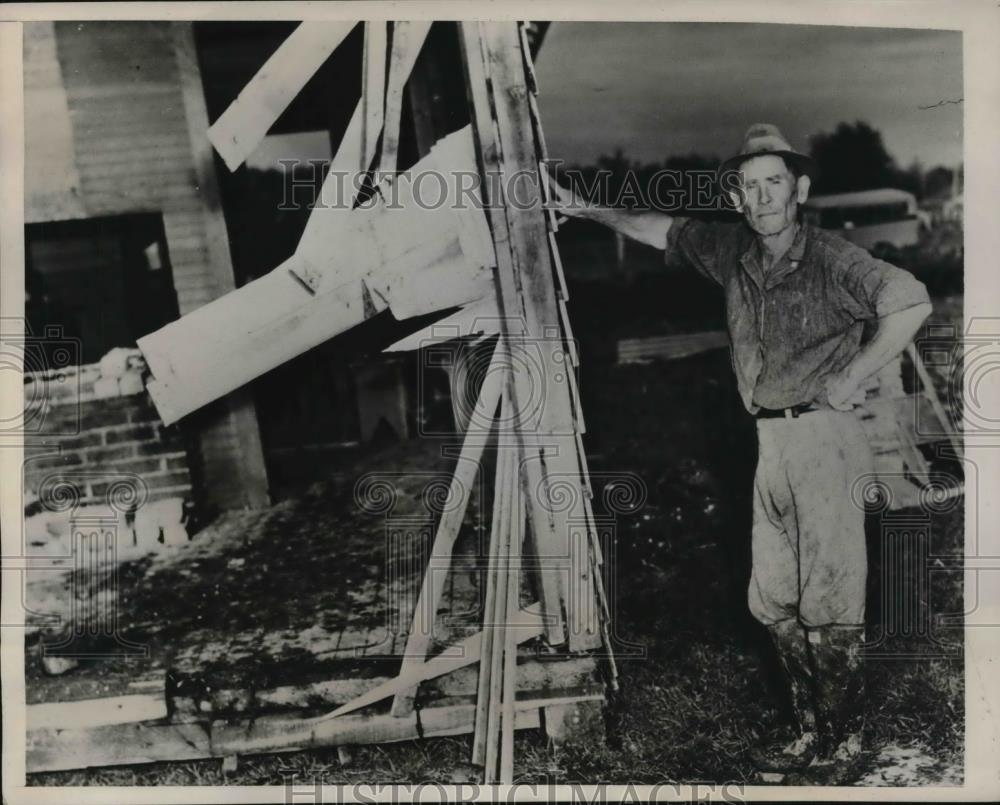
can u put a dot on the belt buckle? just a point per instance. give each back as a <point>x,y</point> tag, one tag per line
<point>790,413</point>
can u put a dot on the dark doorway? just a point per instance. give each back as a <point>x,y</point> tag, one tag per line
<point>105,281</point>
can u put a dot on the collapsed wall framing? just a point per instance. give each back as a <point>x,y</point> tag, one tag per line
<point>543,523</point>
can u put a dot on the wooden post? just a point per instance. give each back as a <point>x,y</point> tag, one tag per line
<point>483,701</point>
<point>521,308</point>
<point>249,467</point>
<point>495,620</point>
<point>451,522</point>
<point>513,580</point>
<point>497,85</point>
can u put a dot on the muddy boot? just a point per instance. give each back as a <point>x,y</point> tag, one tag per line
<point>797,747</point>
<point>835,654</point>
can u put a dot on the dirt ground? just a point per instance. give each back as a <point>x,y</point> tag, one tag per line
<point>693,702</point>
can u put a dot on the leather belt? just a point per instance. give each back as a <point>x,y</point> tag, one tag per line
<point>786,413</point>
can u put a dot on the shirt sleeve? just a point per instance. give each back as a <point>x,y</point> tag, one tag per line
<point>874,288</point>
<point>695,243</point>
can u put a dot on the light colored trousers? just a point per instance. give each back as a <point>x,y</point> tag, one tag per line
<point>809,560</point>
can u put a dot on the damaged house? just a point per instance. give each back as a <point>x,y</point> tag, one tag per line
<point>203,344</point>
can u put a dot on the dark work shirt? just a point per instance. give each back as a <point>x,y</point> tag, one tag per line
<point>802,323</point>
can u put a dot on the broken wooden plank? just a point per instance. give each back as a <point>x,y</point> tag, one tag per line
<point>439,563</point>
<point>494,618</point>
<point>550,212</point>
<point>526,222</point>
<point>506,775</point>
<point>340,187</point>
<point>239,129</point>
<point>489,605</point>
<point>529,242</point>
<point>562,288</point>
<point>228,342</point>
<point>131,744</point>
<point>669,347</point>
<point>97,712</point>
<point>280,734</point>
<point>56,749</point>
<point>465,652</point>
<point>529,63</point>
<point>478,319</point>
<point>533,679</point>
<point>566,498</point>
<point>373,88</point>
<point>514,303</point>
<point>329,691</point>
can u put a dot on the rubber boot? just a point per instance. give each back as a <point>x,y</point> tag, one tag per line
<point>796,751</point>
<point>838,671</point>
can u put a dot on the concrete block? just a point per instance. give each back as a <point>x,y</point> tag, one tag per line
<point>131,383</point>
<point>114,364</point>
<point>106,387</point>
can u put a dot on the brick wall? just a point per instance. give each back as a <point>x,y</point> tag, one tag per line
<point>94,428</point>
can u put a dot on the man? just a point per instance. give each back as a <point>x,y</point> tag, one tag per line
<point>797,298</point>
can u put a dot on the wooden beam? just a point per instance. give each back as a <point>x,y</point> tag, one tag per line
<point>516,277</point>
<point>239,129</point>
<point>534,678</point>
<point>565,563</point>
<point>422,260</point>
<point>495,618</point>
<point>57,749</point>
<point>535,303</point>
<point>329,217</point>
<point>285,734</point>
<point>466,652</point>
<point>96,712</point>
<point>251,468</point>
<point>407,40</point>
<point>439,562</point>
<point>489,605</point>
<point>510,639</point>
<point>479,318</point>
<point>143,742</point>
<point>564,464</point>
<point>373,88</point>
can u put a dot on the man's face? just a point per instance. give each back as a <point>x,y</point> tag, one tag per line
<point>771,194</point>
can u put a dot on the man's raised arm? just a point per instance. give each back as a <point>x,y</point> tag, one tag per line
<point>645,226</point>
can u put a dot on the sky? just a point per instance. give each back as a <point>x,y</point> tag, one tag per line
<point>671,89</point>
